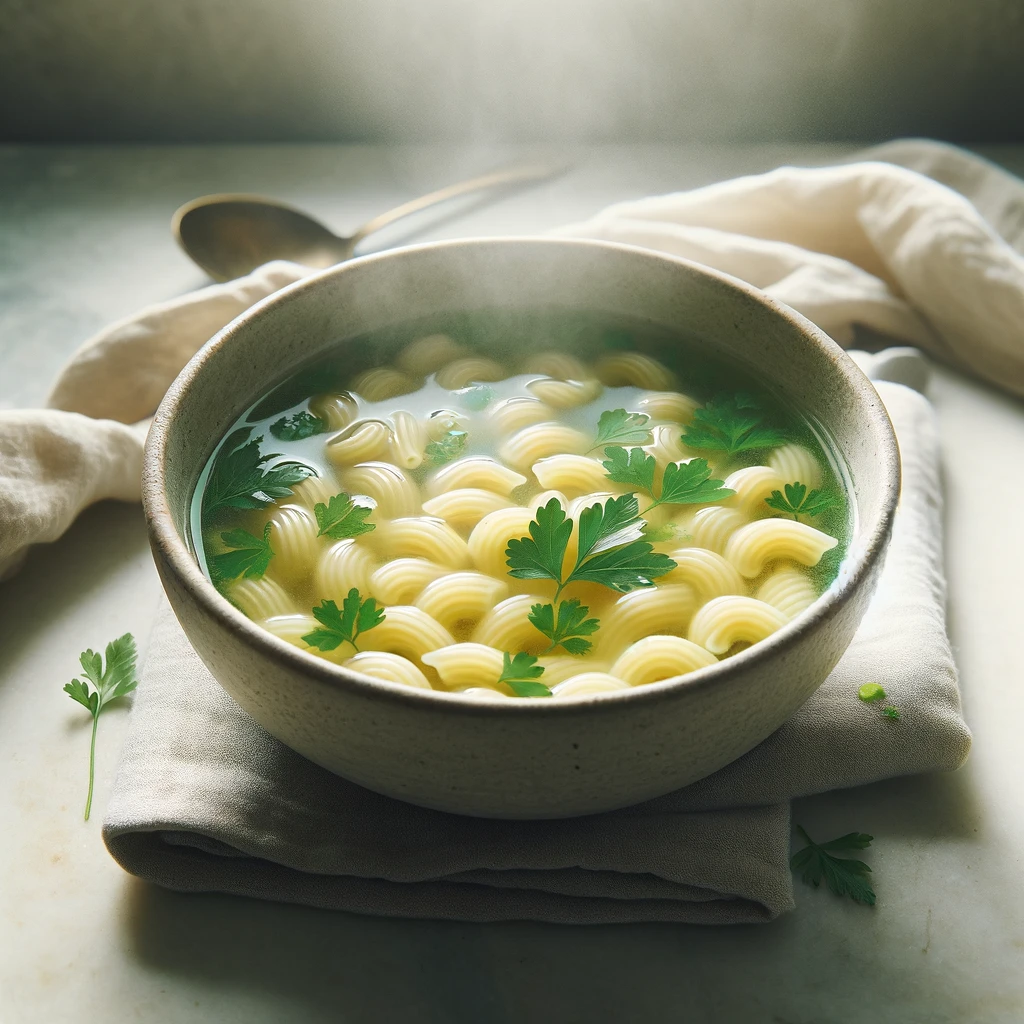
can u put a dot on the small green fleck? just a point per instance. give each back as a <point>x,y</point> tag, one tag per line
<point>476,397</point>
<point>871,692</point>
<point>891,712</point>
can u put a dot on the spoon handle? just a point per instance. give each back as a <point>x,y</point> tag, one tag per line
<point>510,176</point>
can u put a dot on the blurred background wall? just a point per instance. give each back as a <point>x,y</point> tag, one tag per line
<point>483,70</point>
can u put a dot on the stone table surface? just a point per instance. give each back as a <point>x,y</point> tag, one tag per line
<point>84,239</point>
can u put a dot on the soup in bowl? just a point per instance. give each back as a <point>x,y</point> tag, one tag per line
<point>520,528</point>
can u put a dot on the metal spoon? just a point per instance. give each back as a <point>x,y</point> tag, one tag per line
<point>230,235</point>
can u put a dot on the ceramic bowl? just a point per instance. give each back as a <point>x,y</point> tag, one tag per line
<point>518,758</point>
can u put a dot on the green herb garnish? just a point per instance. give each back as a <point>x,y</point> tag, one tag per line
<point>797,502</point>
<point>843,875</point>
<point>520,673</point>
<point>476,396</point>
<point>871,693</point>
<point>616,426</point>
<point>448,448</point>
<point>341,517</point>
<point>683,483</point>
<point>344,625</point>
<point>239,477</point>
<point>568,628</point>
<point>250,558</point>
<point>297,427</point>
<point>117,680</point>
<point>890,712</point>
<point>732,425</point>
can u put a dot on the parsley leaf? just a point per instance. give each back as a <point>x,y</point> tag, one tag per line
<point>731,425</point>
<point>843,875</point>
<point>448,448</point>
<point>251,556</point>
<point>569,628</point>
<point>239,477</point>
<point>616,426</point>
<point>117,680</point>
<point>683,483</point>
<point>539,556</point>
<point>342,517</point>
<point>624,569</point>
<point>520,674</point>
<point>297,427</point>
<point>343,626</point>
<point>798,502</point>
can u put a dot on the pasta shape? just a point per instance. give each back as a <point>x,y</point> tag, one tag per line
<point>472,369</point>
<point>383,382</point>
<point>712,527</point>
<point>634,369</point>
<point>667,405</point>
<point>462,665</point>
<point>726,621</point>
<point>392,667</point>
<point>443,420</point>
<point>796,464</point>
<point>531,444</point>
<point>424,537</point>
<point>559,667</point>
<point>560,365</point>
<point>408,631</point>
<point>291,628</point>
<point>393,491</point>
<point>588,684</point>
<point>491,535</point>
<point>476,471</point>
<point>508,628</point>
<point>572,474</point>
<point>513,414</point>
<point>261,599</point>
<point>754,545</point>
<point>565,394</point>
<point>313,491</point>
<point>706,571</point>
<point>640,613</point>
<point>465,506</point>
<point>660,657</point>
<point>461,597</point>
<point>666,446</point>
<point>344,565</point>
<point>752,485</point>
<point>401,580</point>
<point>294,536</point>
<point>359,442</point>
<point>337,409</point>
<point>428,354</point>
<point>789,589</point>
<point>408,440</point>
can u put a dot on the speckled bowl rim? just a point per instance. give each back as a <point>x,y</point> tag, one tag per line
<point>164,535</point>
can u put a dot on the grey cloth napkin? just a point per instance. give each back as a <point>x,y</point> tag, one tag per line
<point>205,800</point>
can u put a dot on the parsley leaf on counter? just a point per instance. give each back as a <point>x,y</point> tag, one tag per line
<point>117,680</point>
<point>797,502</point>
<point>341,517</point>
<point>843,875</point>
<point>448,448</point>
<point>520,673</point>
<point>731,425</point>
<point>344,625</point>
<point>683,483</point>
<point>251,556</point>
<point>297,427</point>
<point>568,628</point>
<point>239,477</point>
<point>616,426</point>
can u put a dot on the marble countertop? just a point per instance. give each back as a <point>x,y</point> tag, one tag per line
<point>84,239</point>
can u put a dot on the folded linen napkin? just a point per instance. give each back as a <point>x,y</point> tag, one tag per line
<point>205,800</point>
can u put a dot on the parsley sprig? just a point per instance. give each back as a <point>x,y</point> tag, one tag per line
<point>797,502</point>
<point>616,426</point>
<point>344,625</point>
<point>341,517</point>
<point>250,557</point>
<point>520,673</point>
<point>683,483</point>
<point>732,425</point>
<point>610,552</point>
<point>447,448</point>
<point>845,876</point>
<point>297,427</point>
<point>239,477</point>
<point>110,683</point>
